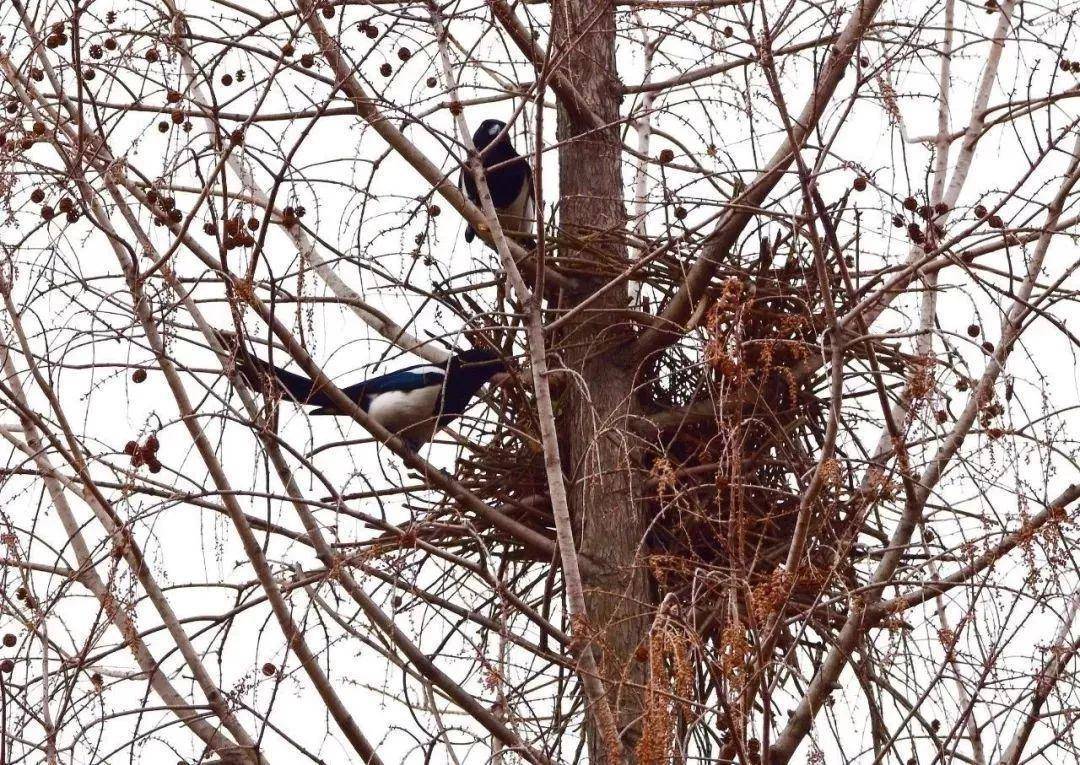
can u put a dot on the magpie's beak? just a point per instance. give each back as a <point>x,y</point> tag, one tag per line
<point>499,379</point>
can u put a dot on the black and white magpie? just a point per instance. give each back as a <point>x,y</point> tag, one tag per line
<point>414,403</point>
<point>510,182</point>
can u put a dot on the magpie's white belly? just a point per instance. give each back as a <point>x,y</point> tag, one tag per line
<point>518,217</point>
<point>410,414</point>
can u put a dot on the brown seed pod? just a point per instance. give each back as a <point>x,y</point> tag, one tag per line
<point>924,212</point>
<point>728,31</point>
<point>680,213</point>
<point>9,640</point>
<point>980,212</point>
<point>328,11</point>
<point>152,55</point>
<point>911,204</point>
<point>236,137</point>
<point>973,330</point>
<point>307,60</point>
<point>173,97</point>
<point>269,669</point>
<point>89,74</point>
<point>7,666</point>
<point>47,213</point>
<point>138,376</point>
<point>371,31</point>
<point>995,221</point>
<point>253,223</point>
<point>386,70</point>
<point>395,601</point>
<point>36,74</point>
<point>941,416</point>
<point>130,447</point>
<point>860,183</point>
<point>434,210</point>
<point>288,49</point>
<point>898,221</point>
<point>988,347</point>
<point>153,465</point>
<point>226,79</point>
<point>110,43</point>
<point>163,127</point>
<point>39,128</point>
<point>404,53</point>
<point>37,196</point>
<point>66,205</point>
<point>666,156</point>
<point>941,208</point>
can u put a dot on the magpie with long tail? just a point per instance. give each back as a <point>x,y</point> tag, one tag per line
<point>509,179</point>
<point>413,403</point>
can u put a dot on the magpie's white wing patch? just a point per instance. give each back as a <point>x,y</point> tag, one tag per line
<point>410,414</point>
<point>518,217</point>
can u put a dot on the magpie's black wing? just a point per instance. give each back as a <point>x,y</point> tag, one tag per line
<point>403,380</point>
<point>505,182</point>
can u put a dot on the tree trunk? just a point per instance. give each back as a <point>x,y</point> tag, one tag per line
<point>604,491</point>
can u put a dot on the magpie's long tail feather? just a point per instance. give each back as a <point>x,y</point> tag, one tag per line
<point>262,375</point>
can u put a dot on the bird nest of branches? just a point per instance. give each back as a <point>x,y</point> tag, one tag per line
<point>736,417</point>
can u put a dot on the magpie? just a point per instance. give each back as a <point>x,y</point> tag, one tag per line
<point>510,183</point>
<point>414,403</point>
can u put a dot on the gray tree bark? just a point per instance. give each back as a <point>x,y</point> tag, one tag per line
<point>601,456</point>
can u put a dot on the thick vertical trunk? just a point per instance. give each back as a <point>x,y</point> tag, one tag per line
<point>601,459</point>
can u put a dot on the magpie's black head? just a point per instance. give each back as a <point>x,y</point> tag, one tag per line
<point>488,131</point>
<point>479,365</point>
<point>480,360</point>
